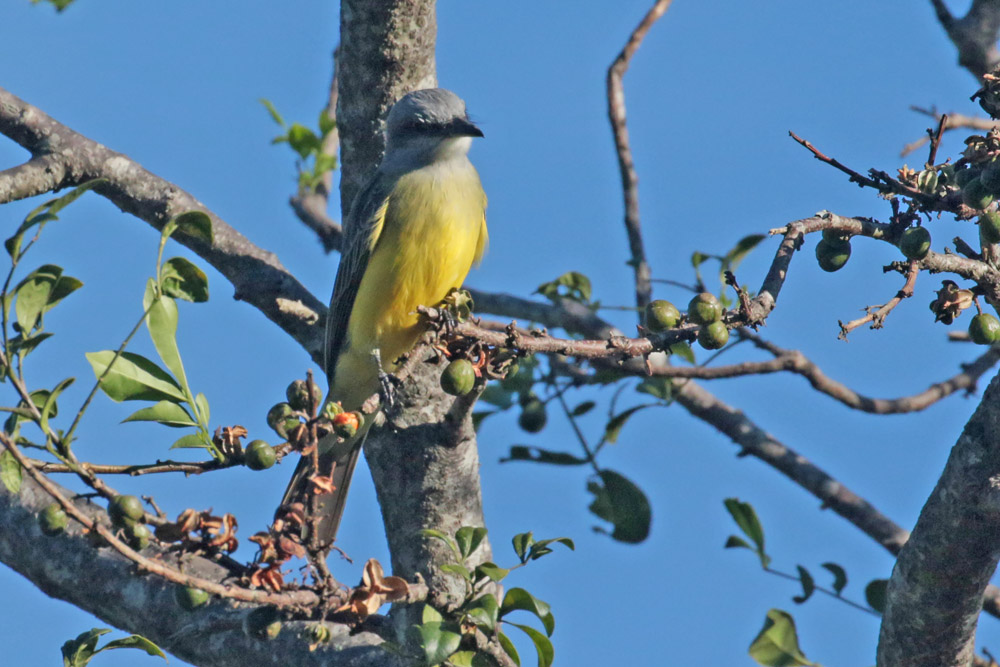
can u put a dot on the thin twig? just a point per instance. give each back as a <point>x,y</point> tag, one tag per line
<point>877,315</point>
<point>630,180</point>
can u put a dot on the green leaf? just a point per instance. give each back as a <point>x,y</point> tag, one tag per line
<point>438,535</point>
<point>546,654</point>
<point>491,571</point>
<point>457,569</point>
<point>468,539</point>
<point>808,585</point>
<point>78,652</point>
<point>201,403</point>
<point>136,642</point>
<point>684,351</point>
<point>485,612</point>
<point>326,122</point>
<point>583,408</point>
<point>839,576</point>
<point>518,598</point>
<point>46,213</point>
<point>64,286</point>
<point>195,224</point>
<point>541,547</point>
<point>732,259</point>
<point>621,502</point>
<point>539,455</point>
<point>181,279</point>
<point>25,346</point>
<point>777,644</point>
<point>614,426</point>
<point>438,640</point>
<point>10,472</point>
<point>303,140</point>
<point>521,542</point>
<point>659,387</point>
<point>191,441</point>
<point>430,615</point>
<point>49,408</point>
<point>271,110</point>
<point>164,412</point>
<point>571,285</point>
<point>875,594</point>
<point>133,377</point>
<point>161,321</point>
<point>733,542</point>
<point>33,295</point>
<point>508,647</point>
<point>746,518</point>
<point>462,659</point>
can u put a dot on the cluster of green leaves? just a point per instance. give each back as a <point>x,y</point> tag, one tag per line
<point>441,638</point>
<point>777,643</point>
<point>727,263</point>
<point>312,163</point>
<point>571,285</point>
<point>127,376</point>
<point>24,306</point>
<point>79,652</point>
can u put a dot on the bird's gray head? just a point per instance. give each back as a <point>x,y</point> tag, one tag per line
<point>431,121</point>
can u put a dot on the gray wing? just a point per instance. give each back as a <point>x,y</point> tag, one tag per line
<point>361,232</point>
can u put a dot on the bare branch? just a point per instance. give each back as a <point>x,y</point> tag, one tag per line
<point>952,121</point>
<point>974,35</point>
<point>37,176</point>
<point>630,180</point>
<point>877,314</point>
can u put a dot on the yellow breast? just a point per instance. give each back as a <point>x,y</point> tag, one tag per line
<point>433,232</point>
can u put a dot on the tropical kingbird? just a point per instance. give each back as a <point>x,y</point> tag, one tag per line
<point>413,232</point>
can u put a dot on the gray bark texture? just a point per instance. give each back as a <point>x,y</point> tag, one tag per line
<point>935,594</point>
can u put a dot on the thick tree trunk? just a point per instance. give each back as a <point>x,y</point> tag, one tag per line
<point>935,594</point>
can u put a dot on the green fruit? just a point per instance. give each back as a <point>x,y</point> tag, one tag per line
<point>277,416</point>
<point>262,623</point>
<point>991,176</point>
<point>125,511</point>
<point>927,181</point>
<point>189,598</point>
<point>989,227</point>
<point>976,195</point>
<point>915,242</point>
<point>331,409</point>
<point>532,418</point>
<point>835,235</point>
<point>963,176</point>
<point>704,309</point>
<point>984,329</point>
<point>713,336</point>
<point>137,535</point>
<point>661,315</point>
<point>52,520</point>
<point>297,394</point>
<point>832,254</point>
<point>259,455</point>
<point>459,377</point>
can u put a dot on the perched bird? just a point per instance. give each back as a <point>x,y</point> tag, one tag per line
<point>413,232</point>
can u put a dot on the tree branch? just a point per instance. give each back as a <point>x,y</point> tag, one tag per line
<point>936,588</point>
<point>630,179</point>
<point>974,35</point>
<point>69,158</point>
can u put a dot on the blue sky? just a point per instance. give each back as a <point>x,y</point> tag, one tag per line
<point>711,96</point>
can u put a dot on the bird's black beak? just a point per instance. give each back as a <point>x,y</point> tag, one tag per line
<point>463,127</point>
